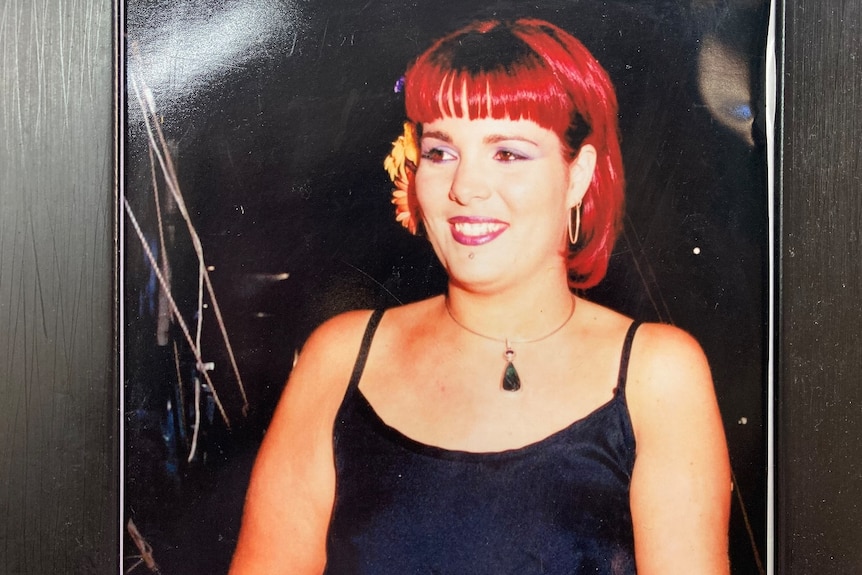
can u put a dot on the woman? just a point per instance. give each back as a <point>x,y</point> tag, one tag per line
<point>506,426</point>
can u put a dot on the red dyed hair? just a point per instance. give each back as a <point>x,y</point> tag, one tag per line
<point>531,69</point>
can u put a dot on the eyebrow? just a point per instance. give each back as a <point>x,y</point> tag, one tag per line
<point>497,138</point>
<point>491,139</point>
<point>437,135</point>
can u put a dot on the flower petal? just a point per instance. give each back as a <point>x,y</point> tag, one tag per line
<point>401,165</point>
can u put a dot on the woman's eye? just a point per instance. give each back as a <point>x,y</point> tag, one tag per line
<point>437,155</point>
<point>508,156</point>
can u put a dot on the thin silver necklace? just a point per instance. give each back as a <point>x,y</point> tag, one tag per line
<point>511,380</point>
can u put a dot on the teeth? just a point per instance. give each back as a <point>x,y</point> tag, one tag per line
<point>478,228</point>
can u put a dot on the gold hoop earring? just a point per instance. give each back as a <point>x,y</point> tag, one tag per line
<point>573,234</point>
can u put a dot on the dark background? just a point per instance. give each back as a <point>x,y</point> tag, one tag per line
<point>60,422</point>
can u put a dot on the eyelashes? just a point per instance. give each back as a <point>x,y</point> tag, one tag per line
<point>438,155</point>
<point>503,155</point>
<point>507,156</point>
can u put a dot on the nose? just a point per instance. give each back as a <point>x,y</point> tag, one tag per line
<point>468,184</point>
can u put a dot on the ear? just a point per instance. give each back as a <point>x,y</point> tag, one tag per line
<point>581,174</point>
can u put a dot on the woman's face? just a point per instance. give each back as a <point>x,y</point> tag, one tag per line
<point>495,197</point>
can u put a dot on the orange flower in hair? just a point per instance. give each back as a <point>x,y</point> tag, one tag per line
<point>401,165</point>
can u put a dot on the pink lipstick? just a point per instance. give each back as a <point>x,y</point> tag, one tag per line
<point>475,230</point>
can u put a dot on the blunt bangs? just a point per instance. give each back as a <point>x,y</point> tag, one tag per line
<point>526,90</point>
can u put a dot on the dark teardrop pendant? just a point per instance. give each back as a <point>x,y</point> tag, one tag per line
<point>511,381</point>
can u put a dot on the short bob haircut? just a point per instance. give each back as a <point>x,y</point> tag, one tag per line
<point>531,69</point>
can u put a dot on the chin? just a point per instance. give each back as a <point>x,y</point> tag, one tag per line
<point>480,276</point>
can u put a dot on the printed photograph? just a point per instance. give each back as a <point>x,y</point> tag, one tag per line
<point>444,287</point>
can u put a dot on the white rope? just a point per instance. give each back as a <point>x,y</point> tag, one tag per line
<point>174,308</point>
<point>172,182</point>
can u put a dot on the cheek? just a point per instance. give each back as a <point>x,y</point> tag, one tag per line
<point>544,208</point>
<point>537,195</point>
<point>431,191</point>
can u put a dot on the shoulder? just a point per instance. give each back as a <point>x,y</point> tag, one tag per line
<point>303,418</point>
<point>345,329</point>
<point>660,341</point>
<point>342,334</point>
<point>326,360</point>
<point>328,356</point>
<point>666,356</point>
<point>405,322</point>
<point>669,377</point>
<point>297,445</point>
<point>658,350</point>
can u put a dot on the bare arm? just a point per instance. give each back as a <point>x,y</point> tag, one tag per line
<point>680,494</point>
<point>290,496</point>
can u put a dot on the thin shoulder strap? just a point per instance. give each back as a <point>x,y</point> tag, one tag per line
<point>373,322</point>
<point>624,359</point>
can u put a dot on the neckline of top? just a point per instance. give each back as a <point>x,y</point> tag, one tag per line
<point>400,438</point>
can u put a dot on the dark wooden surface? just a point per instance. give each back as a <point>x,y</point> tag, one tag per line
<point>819,379</point>
<point>58,466</point>
<point>58,470</point>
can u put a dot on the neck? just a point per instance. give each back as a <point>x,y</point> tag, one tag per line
<point>521,314</point>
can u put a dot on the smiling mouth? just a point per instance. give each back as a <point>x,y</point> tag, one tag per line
<point>476,231</point>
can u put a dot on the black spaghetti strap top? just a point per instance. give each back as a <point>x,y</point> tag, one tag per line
<point>557,506</point>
